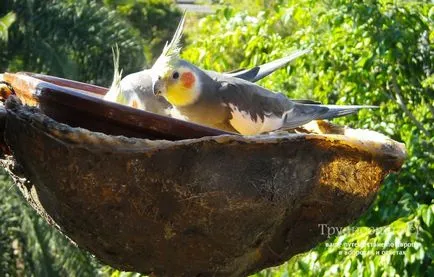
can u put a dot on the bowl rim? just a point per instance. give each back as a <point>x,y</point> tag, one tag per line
<point>364,140</point>
<point>34,89</point>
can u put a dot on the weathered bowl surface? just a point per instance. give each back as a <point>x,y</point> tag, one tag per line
<point>213,206</point>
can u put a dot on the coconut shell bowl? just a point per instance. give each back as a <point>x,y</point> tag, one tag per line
<point>157,195</point>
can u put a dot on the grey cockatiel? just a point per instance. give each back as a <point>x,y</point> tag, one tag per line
<point>230,103</point>
<point>135,89</point>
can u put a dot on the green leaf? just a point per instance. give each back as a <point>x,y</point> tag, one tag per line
<point>428,216</point>
<point>5,22</point>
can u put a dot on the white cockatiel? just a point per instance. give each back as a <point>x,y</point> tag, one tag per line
<point>135,90</point>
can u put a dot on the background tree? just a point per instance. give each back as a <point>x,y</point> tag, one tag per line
<point>69,39</point>
<point>156,20</point>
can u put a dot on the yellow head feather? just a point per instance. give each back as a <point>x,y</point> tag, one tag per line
<point>178,95</point>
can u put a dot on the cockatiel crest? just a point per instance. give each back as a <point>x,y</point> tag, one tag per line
<point>171,51</point>
<point>115,92</point>
<point>120,91</point>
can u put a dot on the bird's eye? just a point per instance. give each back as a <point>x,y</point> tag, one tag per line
<point>175,75</point>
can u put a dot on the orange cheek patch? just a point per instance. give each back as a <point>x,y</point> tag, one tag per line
<point>187,79</point>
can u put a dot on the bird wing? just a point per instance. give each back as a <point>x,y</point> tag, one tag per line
<point>305,101</point>
<point>258,72</point>
<point>253,109</point>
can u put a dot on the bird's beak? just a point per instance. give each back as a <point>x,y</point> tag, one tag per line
<point>159,87</point>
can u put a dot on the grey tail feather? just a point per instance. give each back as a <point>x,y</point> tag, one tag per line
<point>258,72</point>
<point>338,111</point>
<point>301,114</point>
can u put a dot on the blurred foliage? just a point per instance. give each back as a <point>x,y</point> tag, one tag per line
<point>403,248</point>
<point>251,6</point>
<point>30,247</point>
<point>155,19</point>
<point>364,52</point>
<point>70,39</point>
